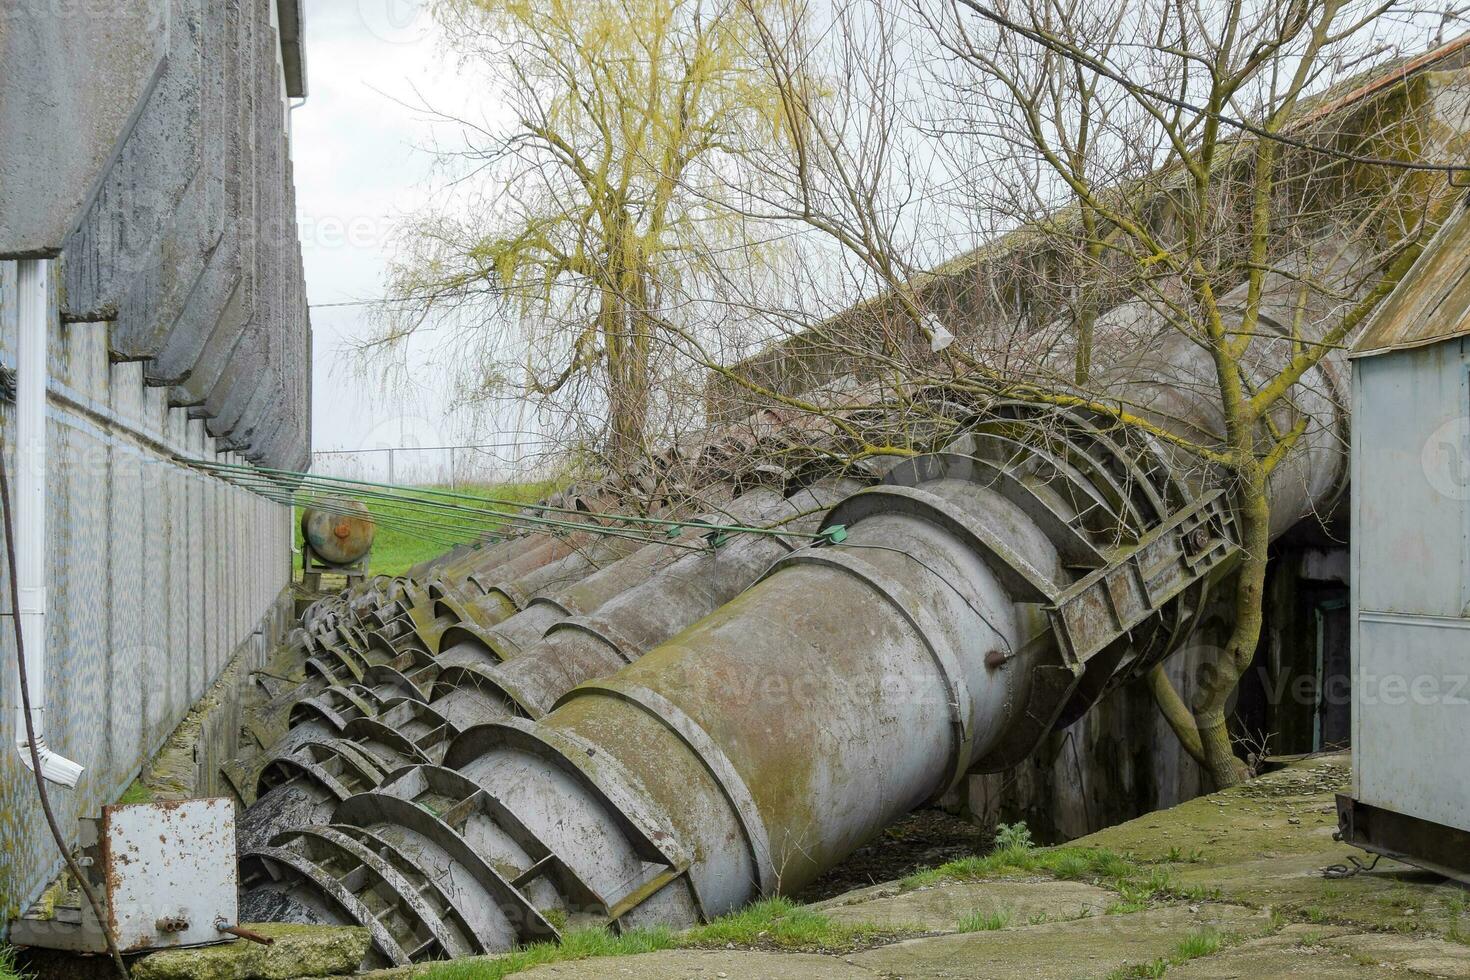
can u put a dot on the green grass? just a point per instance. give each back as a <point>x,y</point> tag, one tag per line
<point>398,548</point>
<point>777,922</point>
<point>1071,863</point>
<point>1459,930</point>
<point>1136,883</point>
<point>771,923</point>
<point>135,793</point>
<point>982,921</point>
<point>576,944</point>
<point>1207,942</point>
<point>8,969</point>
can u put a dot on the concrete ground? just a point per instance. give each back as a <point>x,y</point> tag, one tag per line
<point>1225,886</point>
<point>1257,851</point>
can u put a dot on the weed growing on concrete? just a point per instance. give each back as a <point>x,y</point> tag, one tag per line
<point>1137,884</point>
<point>985,921</point>
<point>1153,968</point>
<point>1207,942</point>
<point>773,922</point>
<point>8,970</point>
<point>1013,837</point>
<point>1459,930</point>
<point>1177,855</point>
<point>1195,945</point>
<point>776,922</point>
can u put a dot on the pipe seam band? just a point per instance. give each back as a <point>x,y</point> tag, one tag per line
<point>347,901</point>
<point>604,632</point>
<point>714,760</point>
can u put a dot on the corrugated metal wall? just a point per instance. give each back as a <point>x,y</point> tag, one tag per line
<point>1411,577</point>
<point>159,575</point>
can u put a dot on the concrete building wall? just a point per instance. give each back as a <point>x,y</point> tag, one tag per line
<point>145,151</point>
<point>160,577</point>
<point>148,144</point>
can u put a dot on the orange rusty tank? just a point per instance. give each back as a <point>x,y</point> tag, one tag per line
<point>340,531</point>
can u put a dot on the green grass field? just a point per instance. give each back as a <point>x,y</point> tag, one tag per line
<point>409,533</point>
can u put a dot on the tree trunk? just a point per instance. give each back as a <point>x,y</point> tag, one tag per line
<point>1224,673</point>
<point>1176,713</point>
<point>628,367</point>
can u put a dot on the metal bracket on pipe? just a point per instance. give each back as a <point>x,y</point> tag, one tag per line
<point>832,534</point>
<point>1194,542</point>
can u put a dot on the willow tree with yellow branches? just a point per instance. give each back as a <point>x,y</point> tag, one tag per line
<point>585,214</point>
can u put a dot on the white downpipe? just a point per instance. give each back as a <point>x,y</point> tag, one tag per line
<point>33,288</point>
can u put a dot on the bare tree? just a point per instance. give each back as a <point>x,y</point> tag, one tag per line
<point>1163,166</point>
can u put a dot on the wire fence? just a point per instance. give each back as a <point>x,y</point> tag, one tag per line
<point>441,466</point>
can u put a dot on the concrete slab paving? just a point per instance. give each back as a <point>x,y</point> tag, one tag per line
<point>1303,950</point>
<point>1091,947</point>
<point>1416,954</point>
<point>1266,961</point>
<point>699,964</point>
<point>1265,844</point>
<point>940,908</point>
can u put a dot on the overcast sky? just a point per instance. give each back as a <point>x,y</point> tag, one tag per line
<point>357,171</point>
<point>360,166</point>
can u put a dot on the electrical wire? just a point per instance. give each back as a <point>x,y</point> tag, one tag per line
<point>477,520</point>
<point>469,517</point>
<point>261,475</point>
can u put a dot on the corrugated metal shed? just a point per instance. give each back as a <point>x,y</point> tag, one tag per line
<point>1410,616</point>
<point>1433,302</point>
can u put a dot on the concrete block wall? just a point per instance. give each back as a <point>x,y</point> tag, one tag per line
<point>184,237</point>
<point>160,577</point>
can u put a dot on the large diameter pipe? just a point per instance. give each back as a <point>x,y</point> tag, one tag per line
<point>780,733</point>
<point>651,596</point>
<point>401,657</point>
<point>971,601</point>
<point>552,605</point>
<point>344,683</point>
<point>748,750</point>
<point>622,629</point>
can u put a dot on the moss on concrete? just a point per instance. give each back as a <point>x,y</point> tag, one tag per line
<point>298,951</point>
<point>1265,843</point>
